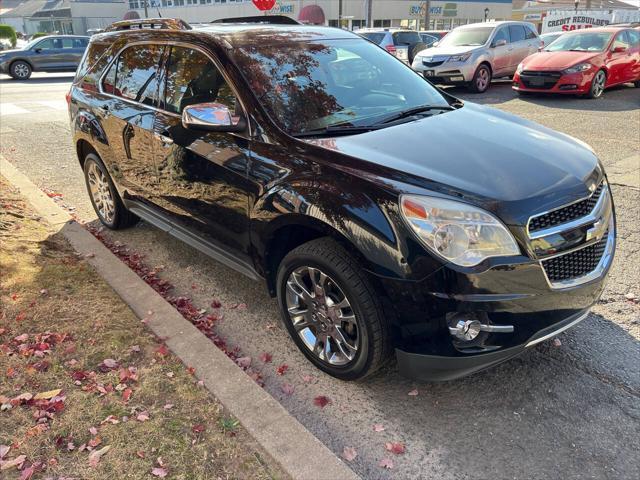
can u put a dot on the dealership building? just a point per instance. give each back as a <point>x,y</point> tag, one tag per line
<point>78,16</point>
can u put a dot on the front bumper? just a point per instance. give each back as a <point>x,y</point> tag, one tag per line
<point>448,73</point>
<point>574,83</point>
<point>4,67</point>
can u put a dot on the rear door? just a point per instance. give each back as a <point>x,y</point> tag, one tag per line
<point>634,37</point>
<point>202,175</point>
<point>131,85</point>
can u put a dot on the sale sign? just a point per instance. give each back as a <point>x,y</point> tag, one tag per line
<point>264,4</point>
<point>566,21</point>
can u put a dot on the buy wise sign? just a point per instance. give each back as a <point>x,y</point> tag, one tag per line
<point>264,4</point>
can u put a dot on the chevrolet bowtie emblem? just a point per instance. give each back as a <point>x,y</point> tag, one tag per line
<point>597,230</point>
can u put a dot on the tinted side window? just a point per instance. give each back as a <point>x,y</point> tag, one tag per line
<point>517,33</point>
<point>92,65</point>
<point>501,34</point>
<point>634,37</point>
<point>67,43</point>
<point>401,38</point>
<point>46,44</point>
<point>530,33</point>
<point>192,78</point>
<point>621,40</point>
<point>136,77</point>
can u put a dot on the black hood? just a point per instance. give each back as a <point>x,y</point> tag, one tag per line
<point>508,165</point>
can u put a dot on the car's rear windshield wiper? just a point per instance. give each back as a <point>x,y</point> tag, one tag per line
<point>335,130</point>
<point>414,111</point>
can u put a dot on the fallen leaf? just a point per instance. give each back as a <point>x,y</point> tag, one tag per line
<point>191,370</point>
<point>287,388</point>
<point>47,395</point>
<point>395,447</point>
<point>265,357</point>
<point>162,351</point>
<point>159,472</point>
<point>413,393</point>
<point>386,463</point>
<point>96,455</point>
<point>16,462</point>
<point>143,416</point>
<point>109,363</point>
<point>110,419</point>
<point>349,454</point>
<point>557,342</point>
<point>308,378</point>
<point>93,431</point>
<point>282,369</point>
<point>140,453</point>
<point>94,442</point>
<point>4,449</point>
<point>321,401</point>
<point>28,472</point>
<point>199,428</point>
<point>244,362</point>
<point>378,427</point>
<point>135,349</point>
<point>170,374</point>
<point>168,406</point>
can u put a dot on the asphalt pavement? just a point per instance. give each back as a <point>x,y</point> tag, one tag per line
<point>568,411</point>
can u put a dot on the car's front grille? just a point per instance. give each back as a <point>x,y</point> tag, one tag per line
<point>540,80</point>
<point>575,264</point>
<point>432,64</point>
<point>565,214</point>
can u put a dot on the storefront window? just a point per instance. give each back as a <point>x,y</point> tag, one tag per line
<point>382,23</point>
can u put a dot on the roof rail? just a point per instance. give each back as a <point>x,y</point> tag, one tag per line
<point>269,19</point>
<point>149,23</point>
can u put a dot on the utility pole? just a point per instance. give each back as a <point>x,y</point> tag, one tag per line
<point>146,6</point>
<point>427,15</point>
<point>369,13</point>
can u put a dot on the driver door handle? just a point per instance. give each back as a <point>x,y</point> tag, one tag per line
<point>163,138</point>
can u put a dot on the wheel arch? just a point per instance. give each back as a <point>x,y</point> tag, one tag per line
<point>21,59</point>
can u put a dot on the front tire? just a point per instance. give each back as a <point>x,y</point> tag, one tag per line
<point>332,311</point>
<point>20,70</point>
<point>597,84</point>
<point>104,196</point>
<point>481,79</point>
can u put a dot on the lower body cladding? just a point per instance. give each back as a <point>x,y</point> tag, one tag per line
<point>453,324</point>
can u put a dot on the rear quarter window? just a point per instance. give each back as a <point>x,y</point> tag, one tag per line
<point>95,60</point>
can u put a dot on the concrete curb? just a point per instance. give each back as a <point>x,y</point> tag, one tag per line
<point>298,452</point>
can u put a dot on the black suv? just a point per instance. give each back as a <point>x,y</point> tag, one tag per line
<point>383,213</point>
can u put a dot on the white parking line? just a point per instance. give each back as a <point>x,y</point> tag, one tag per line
<point>55,104</point>
<point>11,109</point>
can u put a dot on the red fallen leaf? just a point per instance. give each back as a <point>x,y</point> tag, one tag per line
<point>52,194</point>
<point>244,362</point>
<point>287,388</point>
<point>140,453</point>
<point>282,369</point>
<point>378,428</point>
<point>215,304</point>
<point>80,375</point>
<point>308,378</point>
<point>265,357</point>
<point>395,447</point>
<point>386,463</point>
<point>28,472</point>
<point>14,296</point>
<point>96,455</point>
<point>413,393</point>
<point>162,351</point>
<point>191,370</point>
<point>349,454</point>
<point>143,416</point>
<point>199,428</point>
<point>41,366</point>
<point>11,372</point>
<point>22,338</point>
<point>21,316</point>
<point>94,442</point>
<point>126,394</point>
<point>160,472</point>
<point>321,401</point>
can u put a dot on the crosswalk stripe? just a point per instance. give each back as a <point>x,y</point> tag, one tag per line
<point>55,104</point>
<point>11,109</point>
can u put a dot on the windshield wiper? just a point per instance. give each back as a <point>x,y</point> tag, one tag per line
<point>414,111</point>
<point>335,130</point>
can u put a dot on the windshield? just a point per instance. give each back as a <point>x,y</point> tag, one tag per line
<point>466,37</point>
<point>308,86</point>
<point>581,42</point>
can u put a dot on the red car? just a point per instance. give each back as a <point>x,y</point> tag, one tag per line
<point>583,62</point>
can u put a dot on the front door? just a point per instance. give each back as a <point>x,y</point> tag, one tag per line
<point>520,46</point>
<point>501,53</point>
<point>619,63</point>
<point>202,175</point>
<point>131,87</point>
<point>44,54</point>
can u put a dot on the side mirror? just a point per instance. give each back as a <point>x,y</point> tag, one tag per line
<point>212,117</point>
<point>435,44</point>
<point>37,50</point>
<point>499,43</point>
<point>619,49</point>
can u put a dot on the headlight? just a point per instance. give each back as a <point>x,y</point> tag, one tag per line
<point>520,67</point>
<point>459,58</point>
<point>581,67</point>
<point>457,232</point>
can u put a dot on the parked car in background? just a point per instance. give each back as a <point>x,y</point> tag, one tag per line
<point>439,34</point>
<point>549,38</point>
<point>428,39</point>
<point>404,44</point>
<point>386,216</point>
<point>54,53</point>
<point>474,54</point>
<point>583,62</point>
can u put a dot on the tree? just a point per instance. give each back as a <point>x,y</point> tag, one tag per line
<point>8,32</point>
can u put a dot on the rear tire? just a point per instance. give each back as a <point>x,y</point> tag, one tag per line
<point>481,79</point>
<point>104,196</point>
<point>20,70</point>
<point>331,310</point>
<point>597,84</point>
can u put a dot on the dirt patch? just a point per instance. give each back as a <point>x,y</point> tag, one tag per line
<point>85,391</point>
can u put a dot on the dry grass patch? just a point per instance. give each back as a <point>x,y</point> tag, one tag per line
<point>62,328</point>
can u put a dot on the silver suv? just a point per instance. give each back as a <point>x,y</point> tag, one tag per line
<point>404,44</point>
<point>474,54</point>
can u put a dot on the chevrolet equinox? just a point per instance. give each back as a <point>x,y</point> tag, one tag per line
<point>385,215</point>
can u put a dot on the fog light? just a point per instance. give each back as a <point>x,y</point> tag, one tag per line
<point>465,330</point>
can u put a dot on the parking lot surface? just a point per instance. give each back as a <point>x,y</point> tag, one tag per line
<point>568,411</point>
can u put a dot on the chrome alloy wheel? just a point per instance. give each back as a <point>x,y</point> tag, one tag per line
<point>482,81</point>
<point>322,316</point>
<point>21,70</point>
<point>598,83</point>
<point>101,193</point>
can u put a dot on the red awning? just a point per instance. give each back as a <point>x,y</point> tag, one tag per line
<point>312,14</point>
